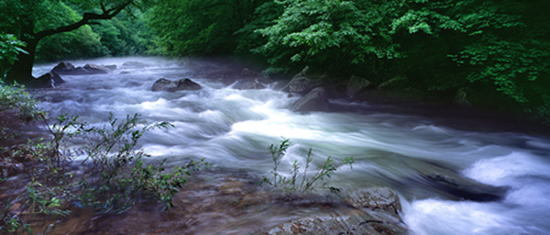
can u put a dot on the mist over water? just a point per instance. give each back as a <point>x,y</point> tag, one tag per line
<point>232,128</point>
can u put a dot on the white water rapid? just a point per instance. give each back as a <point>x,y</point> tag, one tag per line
<point>232,128</point>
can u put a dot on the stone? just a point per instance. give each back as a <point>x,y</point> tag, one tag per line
<point>186,85</point>
<point>65,68</point>
<point>355,85</point>
<point>376,198</point>
<point>48,80</point>
<point>315,100</point>
<point>352,222</point>
<point>301,83</point>
<point>394,83</point>
<point>96,69</point>
<point>164,84</point>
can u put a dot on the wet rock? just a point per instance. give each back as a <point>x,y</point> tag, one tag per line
<point>425,179</point>
<point>352,222</point>
<point>464,188</point>
<point>376,198</point>
<point>232,187</point>
<point>301,83</point>
<point>96,69</point>
<point>315,100</point>
<point>164,84</point>
<point>394,83</point>
<point>65,68</point>
<point>187,85</point>
<point>48,80</point>
<point>355,85</point>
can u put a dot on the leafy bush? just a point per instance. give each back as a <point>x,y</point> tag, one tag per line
<point>293,183</point>
<point>112,177</point>
<point>10,46</point>
<point>15,104</point>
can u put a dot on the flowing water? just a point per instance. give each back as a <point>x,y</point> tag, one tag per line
<point>232,128</point>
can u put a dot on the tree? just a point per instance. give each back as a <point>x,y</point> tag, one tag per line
<point>197,27</point>
<point>26,19</point>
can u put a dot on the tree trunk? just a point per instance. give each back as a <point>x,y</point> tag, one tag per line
<point>21,70</point>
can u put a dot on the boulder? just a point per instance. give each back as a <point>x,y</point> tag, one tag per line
<point>301,83</point>
<point>185,85</point>
<point>394,83</point>
<point>315,100</point>
<point>164,84</point>
<point>350,222</point>
<point>65,68</point>
<point>434,179</point>
<point>355,85</point>
<point>48,80</point>
<point>376,198</point>
<point>96,69</point>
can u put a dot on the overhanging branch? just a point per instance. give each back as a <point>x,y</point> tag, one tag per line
<point>106,14</point>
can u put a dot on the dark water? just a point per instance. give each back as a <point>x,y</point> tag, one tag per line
<point>392,146</point>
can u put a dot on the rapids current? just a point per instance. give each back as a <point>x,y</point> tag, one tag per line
<point>232,128</point>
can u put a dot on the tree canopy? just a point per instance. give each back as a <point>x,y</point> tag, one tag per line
<point>500,47</point>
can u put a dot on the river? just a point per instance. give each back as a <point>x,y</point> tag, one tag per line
<point>232,128</point>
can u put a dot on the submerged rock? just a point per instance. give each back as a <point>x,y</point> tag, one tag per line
<point>164,84</point>
<point>315,100</point>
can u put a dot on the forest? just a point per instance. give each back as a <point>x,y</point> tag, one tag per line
<point>497,51</point>
<point>487,55</point>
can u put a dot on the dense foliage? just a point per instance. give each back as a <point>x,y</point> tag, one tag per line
<point>439,45</point>
<point>489,47</point>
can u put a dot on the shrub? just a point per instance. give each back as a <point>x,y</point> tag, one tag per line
<point>307,182</point>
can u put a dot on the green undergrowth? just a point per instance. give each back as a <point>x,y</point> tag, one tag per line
<point>301,180</point>
<point>111,178</point>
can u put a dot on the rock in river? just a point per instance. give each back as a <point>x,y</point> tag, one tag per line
<point>185,84</point>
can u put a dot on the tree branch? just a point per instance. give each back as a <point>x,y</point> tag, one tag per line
<point>106,15</point>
